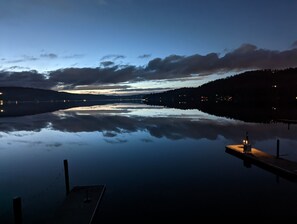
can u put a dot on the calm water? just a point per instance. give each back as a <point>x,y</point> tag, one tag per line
<point>157,164</point>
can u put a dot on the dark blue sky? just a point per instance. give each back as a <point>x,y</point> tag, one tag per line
<point>140,44</point>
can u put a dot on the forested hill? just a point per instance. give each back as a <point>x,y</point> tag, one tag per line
<point>21,101</point>
<point>35,95</point>
<point>260,87</point>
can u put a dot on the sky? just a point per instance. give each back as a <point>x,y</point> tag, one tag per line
<point>141,46</point>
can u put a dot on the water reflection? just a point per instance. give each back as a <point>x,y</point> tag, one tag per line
<point>153,160</point>
<point>115,119</point>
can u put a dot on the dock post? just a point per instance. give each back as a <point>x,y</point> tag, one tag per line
<point>66,177</point>
<point>277,148</point>
<point>17,210</point>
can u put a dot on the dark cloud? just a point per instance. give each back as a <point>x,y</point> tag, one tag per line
<point>173,67</point>
<point>250,57</point>
<point>106,63</point>
<point>113,57</point>
<point>144,56</point>
<point>24,58</point>
<point>57,144</point>
<point>50,56</point>
<point>16,67</point>
<point>245,57</point>
<point>115,140</point>
<point>72,77</point>
<point>25,79</point>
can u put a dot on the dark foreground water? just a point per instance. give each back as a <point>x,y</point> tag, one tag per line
<point>158,164</point>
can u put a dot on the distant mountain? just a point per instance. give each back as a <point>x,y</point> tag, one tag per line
<point>20,101</point>
<point>262,93</point>
<point>23,94</point>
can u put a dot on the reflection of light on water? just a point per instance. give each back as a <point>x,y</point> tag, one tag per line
<point>141,110</point>
<point>109,107</point>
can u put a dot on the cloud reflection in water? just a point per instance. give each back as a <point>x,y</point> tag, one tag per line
<point>116,119</point>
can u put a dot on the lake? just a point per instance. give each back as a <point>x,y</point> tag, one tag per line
<point>158,164</point>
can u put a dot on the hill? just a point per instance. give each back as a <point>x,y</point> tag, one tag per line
<point>20,101</point>
<point>23,94</point>
<point>261,93</point>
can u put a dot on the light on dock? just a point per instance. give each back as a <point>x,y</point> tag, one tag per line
<point>247,148</point>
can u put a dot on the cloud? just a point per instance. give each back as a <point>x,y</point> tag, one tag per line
<point>113,57</point>
<point>106,63</point>
<point>50,56</point>
<point>53,56</point>
<point>72,77</point>
<point>245,57</point>
<point>144,56</point>
<point>294,45</point>
<point>16,67</point>
<point>102,87</point>
<point>25,79</point>
<point>172,67</point>
<point>24,58</point>
<point>144,90</point>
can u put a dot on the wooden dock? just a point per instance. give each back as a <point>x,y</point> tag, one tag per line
<point>80,205</point>
<point>282,167</point>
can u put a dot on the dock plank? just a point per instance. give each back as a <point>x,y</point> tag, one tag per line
<point>263,159</point>
<point>80,205</point>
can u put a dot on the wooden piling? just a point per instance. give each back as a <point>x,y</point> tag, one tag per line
<point>66,177</point>
<point>277,148</point>
<point>17,210</point>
